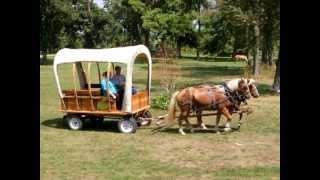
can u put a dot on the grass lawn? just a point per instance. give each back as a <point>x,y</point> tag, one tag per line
<point>104,153</point>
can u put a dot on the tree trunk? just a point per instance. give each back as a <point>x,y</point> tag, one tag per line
<point>270,52</point>
<point>256,60</point>
<point>179,48</point>
<point>264,52</point>
<point>89,8</point>
<point>163,45</point>
<point>147,38</point>
<point>267,45</point>
<point>276,81</point>
<point>267,49</point>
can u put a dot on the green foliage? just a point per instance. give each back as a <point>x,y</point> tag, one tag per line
<point>160,102</point>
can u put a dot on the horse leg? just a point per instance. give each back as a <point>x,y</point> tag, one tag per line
<point>217,122</point>
<point>199,120</point>
<point>187,121</point>
<point>227,114</point>
<point>183,116</point>
<point>240,121</point>
<point>180,127</point>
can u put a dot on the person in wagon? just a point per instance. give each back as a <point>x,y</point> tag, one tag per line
<point>119,79</point>
<point>112,90</point>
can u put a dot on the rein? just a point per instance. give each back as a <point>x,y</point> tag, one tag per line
<point>227,89</point>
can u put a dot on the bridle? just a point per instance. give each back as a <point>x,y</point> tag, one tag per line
<point>233,95</point>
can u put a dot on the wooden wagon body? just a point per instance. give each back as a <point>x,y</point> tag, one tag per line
<point>88,101</point>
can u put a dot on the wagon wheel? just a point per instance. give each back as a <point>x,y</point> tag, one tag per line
<point>127,125</point>
<point>74,122</point>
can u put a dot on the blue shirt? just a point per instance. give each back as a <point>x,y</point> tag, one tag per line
<point>104,87</point>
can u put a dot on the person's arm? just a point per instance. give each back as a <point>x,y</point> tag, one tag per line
<point>110,88</point>
<point>111,94</point>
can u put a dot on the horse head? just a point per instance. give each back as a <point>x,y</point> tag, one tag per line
<point>252,88</point>
<point>243,88</point>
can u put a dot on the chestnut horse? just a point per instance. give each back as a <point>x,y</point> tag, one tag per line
<point>222,88</point>
<point>207,98</point>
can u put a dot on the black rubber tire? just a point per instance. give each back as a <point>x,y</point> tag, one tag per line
<point>127,125</point>
<point>74,122</point>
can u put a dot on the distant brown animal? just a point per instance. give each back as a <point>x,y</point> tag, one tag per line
<point>240,56</point>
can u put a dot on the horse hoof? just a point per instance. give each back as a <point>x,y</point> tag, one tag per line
<point>227,129</point>
<point>182,133</point>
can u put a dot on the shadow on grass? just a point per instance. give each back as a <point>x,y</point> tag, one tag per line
<point>211,129</point>
<point>108,125</point>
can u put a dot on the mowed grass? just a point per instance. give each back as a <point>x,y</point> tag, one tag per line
<point>104,153</point>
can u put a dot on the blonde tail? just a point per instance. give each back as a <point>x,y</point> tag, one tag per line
<point>172,107</point>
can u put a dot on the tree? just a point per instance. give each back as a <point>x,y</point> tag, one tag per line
<point>52,16</point>
<point>257,21</point>
<point>270,29</point>
<point>276,81</point>
<point>168,19</point>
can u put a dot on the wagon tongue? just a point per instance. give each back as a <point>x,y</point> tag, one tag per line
<point>145,122</point>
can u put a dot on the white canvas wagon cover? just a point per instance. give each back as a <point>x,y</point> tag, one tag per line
<point>126,55</point>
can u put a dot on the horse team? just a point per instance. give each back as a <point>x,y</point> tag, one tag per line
<point>225,99</point>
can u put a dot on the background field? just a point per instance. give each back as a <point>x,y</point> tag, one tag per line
<point>104,153</point>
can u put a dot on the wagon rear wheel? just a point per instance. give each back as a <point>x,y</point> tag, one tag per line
<point>127,125</point>
<point>74,122</point>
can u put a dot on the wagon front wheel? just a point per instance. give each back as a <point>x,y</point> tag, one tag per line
<point>74,122</point>
<point>127,126</point>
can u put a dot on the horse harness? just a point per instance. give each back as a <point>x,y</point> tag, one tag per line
<point>234,97</point>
